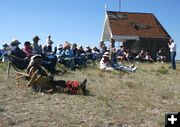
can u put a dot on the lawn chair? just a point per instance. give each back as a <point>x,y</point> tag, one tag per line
<point>19,70</point>
<point>40,83</point>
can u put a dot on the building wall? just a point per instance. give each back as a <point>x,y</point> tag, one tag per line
<point>151,45</point>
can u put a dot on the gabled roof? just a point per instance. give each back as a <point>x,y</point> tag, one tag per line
<point>126,25</point>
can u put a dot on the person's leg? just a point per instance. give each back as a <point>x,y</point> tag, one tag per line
<point>173,55</point>
<point>126,68</point>
<point>172,60</point>
<point>46,65</point>
<point>53,62</point>
<point>59,83</point>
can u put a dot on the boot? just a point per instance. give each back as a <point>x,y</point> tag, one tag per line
<point>83,86</point>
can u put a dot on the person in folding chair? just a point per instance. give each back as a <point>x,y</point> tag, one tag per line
<point>41,81</point>
<point>16,56</point>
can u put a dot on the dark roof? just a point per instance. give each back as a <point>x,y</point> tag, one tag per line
<point>136,24</point>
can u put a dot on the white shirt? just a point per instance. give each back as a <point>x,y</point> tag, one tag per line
<point>105,66</point>
<point>172,47</point>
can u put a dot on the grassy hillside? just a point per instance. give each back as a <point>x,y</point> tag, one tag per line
<point>116,99</point>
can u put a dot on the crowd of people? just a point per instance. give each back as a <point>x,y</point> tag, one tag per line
<point>74,56</point>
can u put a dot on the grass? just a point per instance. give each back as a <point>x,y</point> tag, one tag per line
<point>138,99</point>
<point>162,70</point>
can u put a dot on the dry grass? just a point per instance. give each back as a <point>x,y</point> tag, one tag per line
<point>116,99</point>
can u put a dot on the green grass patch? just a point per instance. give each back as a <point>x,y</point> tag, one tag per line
<point>162,70</point>
<point>2,109</point>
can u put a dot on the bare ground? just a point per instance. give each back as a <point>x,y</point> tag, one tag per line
<point>116,99</point>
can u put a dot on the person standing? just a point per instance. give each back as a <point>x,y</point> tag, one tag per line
<point>172,46</point>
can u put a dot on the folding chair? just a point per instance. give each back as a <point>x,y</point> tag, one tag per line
<point>19,72</point>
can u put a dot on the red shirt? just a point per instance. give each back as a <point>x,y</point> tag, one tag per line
<point>28,51</point>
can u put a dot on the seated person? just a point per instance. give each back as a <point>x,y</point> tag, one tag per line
<point>37,49</point>
<point>80,59</point>
<point>41,81</point>
<point>68,56</point>
<point>47,49</point>
<point>17,56</point>
<point>148,58</point>
<point>28,49</point>
<point>96,53</point>
<point>89,55</point>
<point>140,56</point>
<point>105,64</point>
<point>59,52</point>
<point>121,56</point>
<point>4,53</point>
<point>113,57</point>
<point>160,57</point>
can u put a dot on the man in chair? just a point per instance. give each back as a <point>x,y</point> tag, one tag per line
<point>17,56</point>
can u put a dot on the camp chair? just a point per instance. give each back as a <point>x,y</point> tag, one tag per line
<point>19,71</point>
<point>13,65</point>
<point>40,82</point>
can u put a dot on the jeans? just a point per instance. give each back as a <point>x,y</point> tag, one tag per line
<point>173,55</point>
<point>123,68</point>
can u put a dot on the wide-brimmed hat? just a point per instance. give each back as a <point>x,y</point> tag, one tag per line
<point>36,38</point>
<point>15,42</point>
<point>106,54</point>
<point>5,45</point>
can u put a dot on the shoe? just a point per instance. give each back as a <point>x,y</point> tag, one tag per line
<point>83,86</point>
<point>134,69</point>
<point>132,66</point>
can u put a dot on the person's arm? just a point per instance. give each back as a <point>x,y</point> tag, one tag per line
<point>169,45</point>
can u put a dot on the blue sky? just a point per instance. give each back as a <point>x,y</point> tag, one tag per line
<point>77,21</point>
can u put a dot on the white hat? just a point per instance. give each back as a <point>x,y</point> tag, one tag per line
<point>79,47</point>
<point>60,46</point>
<point>106,54</point>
